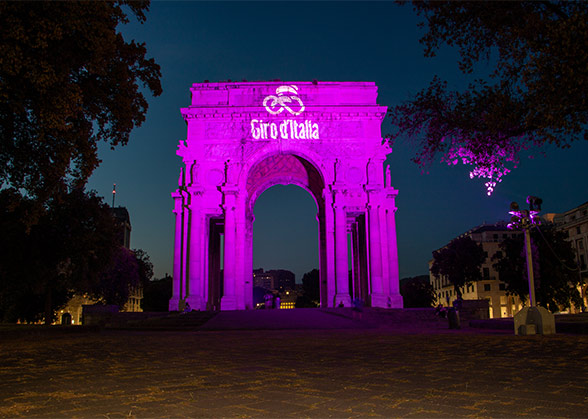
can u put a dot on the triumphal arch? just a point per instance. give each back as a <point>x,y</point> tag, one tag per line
<point>244,137</point>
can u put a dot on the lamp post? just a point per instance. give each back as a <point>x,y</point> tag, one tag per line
<point>525,220</point>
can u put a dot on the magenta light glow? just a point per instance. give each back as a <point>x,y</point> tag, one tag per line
<point>243,138</point>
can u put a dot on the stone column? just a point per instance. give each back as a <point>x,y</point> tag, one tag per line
<point>228,300</point>
<point>194,297</point>
<point>185,250</point>
<point>240,255</point>
<point>248,263</point>
<point>376,289</point>
<point>329,250</point>
<point>395,297</point>
<point>356,263</point>
<point>174,302</point>
<point>341,257</point>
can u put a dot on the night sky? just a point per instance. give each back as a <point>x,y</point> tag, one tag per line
<point>328,41</point>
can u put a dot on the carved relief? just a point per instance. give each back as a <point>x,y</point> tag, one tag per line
<point>218,151</point>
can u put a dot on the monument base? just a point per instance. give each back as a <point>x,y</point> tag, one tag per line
<point>379,300</point>
<point>195,302</point>
<point>342,299</point>
<point>174,304</point>
<point>228,303</point>
<point>395,301</point>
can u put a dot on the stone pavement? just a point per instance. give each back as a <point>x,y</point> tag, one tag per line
<point>348,372</point>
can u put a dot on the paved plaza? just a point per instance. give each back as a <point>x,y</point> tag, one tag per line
<point>348,372</point>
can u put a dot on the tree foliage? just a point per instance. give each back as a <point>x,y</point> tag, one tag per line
<point>157,293</point>
<point>128,270</point>
<point>555,271</point>
<point>64,252</point>
<point>417,292</point>
<point>460,262</point>
<point>311,287</point>
<point>68,80</point>
<point>535,94</point>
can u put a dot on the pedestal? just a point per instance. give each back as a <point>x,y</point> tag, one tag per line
<point>228,302</point>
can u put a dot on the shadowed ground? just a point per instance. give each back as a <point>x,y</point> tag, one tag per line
<point>352,372</point>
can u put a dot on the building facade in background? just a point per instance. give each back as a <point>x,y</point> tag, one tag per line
<point>575,224</point>
<point>489,287</point>
<point>245,137</point>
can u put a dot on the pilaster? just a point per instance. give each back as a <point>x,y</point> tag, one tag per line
<point>229,300</point>
<point>174,302</point>
<point>195,297</point>
<point>341,256</point>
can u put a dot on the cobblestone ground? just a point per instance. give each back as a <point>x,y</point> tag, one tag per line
<point>293,373</point>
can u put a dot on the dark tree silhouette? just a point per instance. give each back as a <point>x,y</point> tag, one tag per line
<point>311,287</point>
<point>417,292</point>
<point>68,80</point>
<point>535,94</point>
<point>73,241</point>
<point>556,273</point>
<point>157,293</point>
<point>460,262</point>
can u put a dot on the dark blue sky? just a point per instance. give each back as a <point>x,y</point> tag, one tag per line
<point>328,41</point>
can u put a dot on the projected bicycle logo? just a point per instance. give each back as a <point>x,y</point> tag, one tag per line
<point>286,99</point>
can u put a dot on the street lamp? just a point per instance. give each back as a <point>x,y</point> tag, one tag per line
<point>525,220</point>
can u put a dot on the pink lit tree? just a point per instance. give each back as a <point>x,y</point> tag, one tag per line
<point>535,93</point>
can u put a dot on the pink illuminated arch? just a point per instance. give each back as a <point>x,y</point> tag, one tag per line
<point>246,137</point>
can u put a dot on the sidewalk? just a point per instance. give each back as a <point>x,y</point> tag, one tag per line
<point>337,373</point>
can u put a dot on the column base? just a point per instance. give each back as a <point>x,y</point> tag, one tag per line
<point>379,300</point>
<point>395,301</point>
<point>195,302</point>
<point>174,304</point>
<point>228,303</point>
<point>342,298</point>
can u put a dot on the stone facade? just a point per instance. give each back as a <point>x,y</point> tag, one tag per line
<point>575,223</point>
<point>243,138</point>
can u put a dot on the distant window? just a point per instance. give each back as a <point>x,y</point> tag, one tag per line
<point>485,254</point>
<point>486,287</point>
<point>501,286</point>
<point>578,230</point>
<point>486,272</point>
<point>580,244</point>
<point>495,236</point>
<point>584,212</point>
<point>504,236</point>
